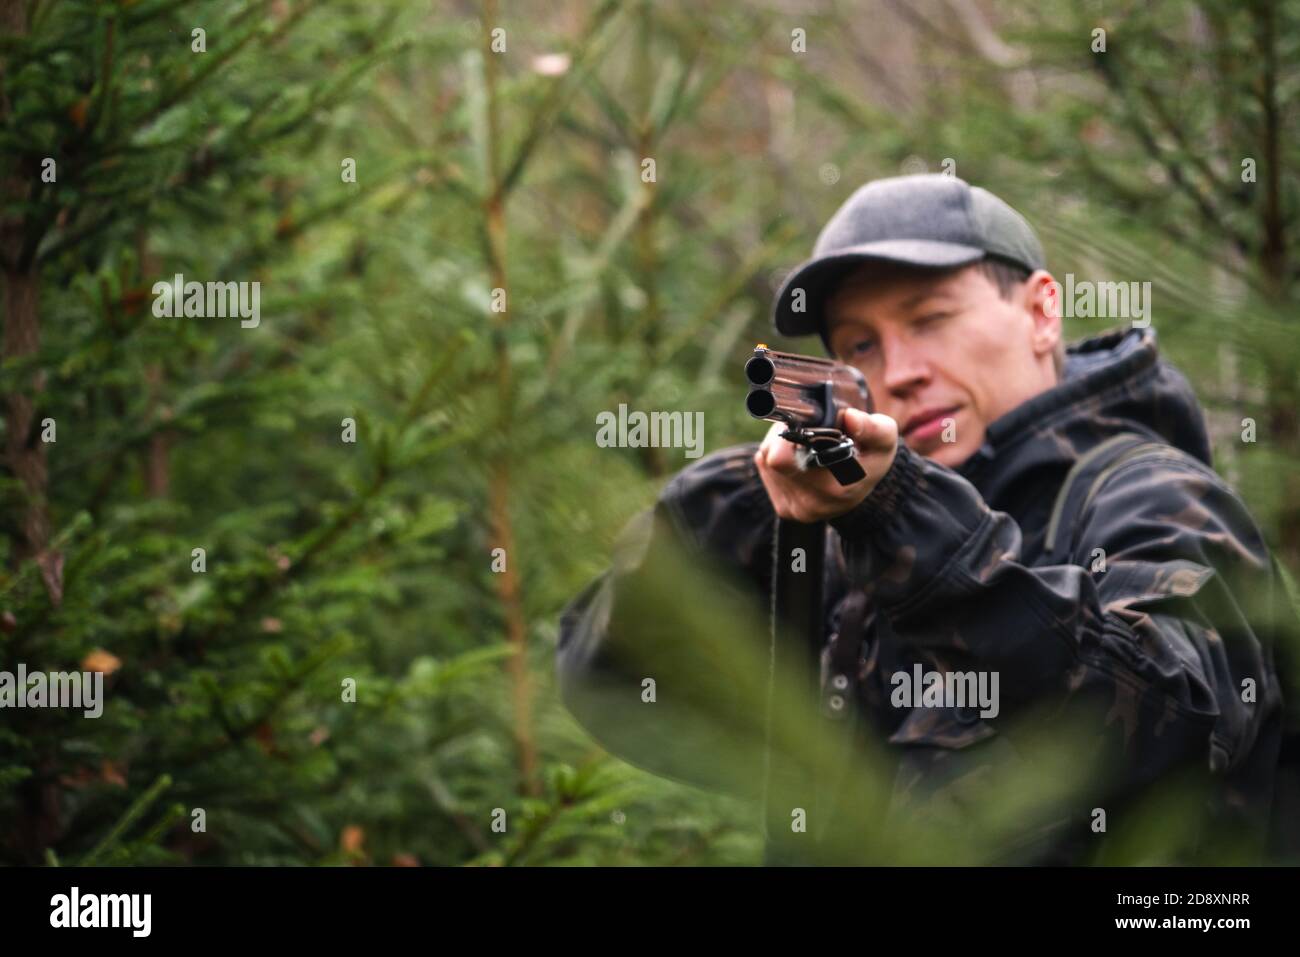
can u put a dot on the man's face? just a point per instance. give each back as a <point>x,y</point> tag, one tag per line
<point>943,353</point>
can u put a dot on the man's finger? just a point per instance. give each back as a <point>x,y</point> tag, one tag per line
<point>780,457</point>
<point>870,432</point>
<point>778,452</point>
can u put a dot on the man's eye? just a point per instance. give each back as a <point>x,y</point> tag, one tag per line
<point>859,348</point>
<point>931,318</point>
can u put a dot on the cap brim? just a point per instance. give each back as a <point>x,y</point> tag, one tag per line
<point>817,275</point>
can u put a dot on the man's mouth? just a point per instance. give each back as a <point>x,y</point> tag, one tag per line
<point>928,423</point>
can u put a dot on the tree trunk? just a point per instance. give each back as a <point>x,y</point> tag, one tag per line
<point>512,609</point>
<point>24,450</point>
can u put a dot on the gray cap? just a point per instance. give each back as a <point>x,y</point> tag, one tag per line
<point>931,220</point>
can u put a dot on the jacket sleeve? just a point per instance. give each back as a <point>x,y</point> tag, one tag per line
<point>661,657</point>
<point>1159,638</point>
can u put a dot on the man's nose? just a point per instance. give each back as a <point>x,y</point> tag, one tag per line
<point>905,368</point>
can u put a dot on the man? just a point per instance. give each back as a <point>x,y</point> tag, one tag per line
<point>1137,601</point>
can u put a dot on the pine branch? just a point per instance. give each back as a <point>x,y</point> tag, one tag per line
<point>132,814</point>
<point>1211,215</point>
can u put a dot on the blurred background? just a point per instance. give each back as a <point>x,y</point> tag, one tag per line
<point>380,167</point>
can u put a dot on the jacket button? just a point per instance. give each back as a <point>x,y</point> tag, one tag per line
<point>836,702</point>
<point>839,682</point>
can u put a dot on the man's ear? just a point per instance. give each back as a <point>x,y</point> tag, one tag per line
<point>1042,300</point>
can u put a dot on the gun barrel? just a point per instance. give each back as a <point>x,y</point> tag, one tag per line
<point>802,391</point>
<point>784,404</point>
<point>760,370</point>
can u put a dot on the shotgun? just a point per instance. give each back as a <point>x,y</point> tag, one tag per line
<point>808,394</point>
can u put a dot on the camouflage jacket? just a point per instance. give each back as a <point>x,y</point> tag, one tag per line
<point>1159,625</point>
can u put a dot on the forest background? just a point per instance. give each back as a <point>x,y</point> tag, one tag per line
<point>232,523</point>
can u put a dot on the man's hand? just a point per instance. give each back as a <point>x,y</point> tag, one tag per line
<point>816,495</point>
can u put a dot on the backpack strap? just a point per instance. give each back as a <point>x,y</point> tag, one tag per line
<point>1085,477</point>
